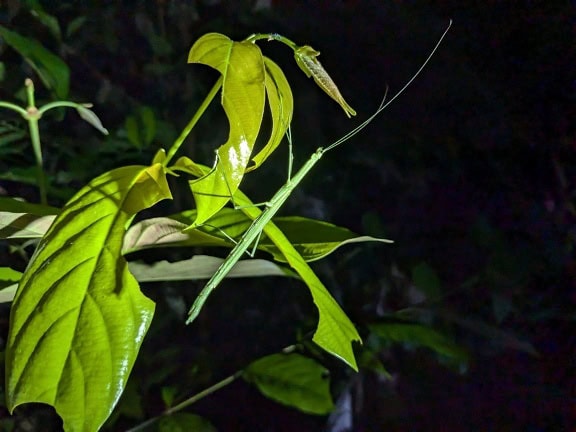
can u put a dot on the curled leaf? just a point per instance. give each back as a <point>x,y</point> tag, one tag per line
<point>306,59</point>
<point>90,116</point>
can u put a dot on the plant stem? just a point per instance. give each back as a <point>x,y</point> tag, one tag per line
<point>207,100</point>
<point>192,400</point>
<point>271,37</point>
<point>226,381</point>
<point>32,115</point>
<point>13,107</point>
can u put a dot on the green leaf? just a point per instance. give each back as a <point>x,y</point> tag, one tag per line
<point>313,239</point>
<point>281,105</point>
<point>420,335</point>
<point>23,225</point>
<point>243,92</point>
<point>18,206</point>
<point>202,267</point>
<point>53,72</point>
<point>49,21</point>
<point>184,422</point>
<point>141,127</point>
<point>79,317</point>
<point>75,25</point>
<point>335,332</point>
<point>426,279</point>
<point>8,277</point>
<point>292,380</point>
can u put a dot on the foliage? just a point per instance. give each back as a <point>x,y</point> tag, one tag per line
<point>467,281</point>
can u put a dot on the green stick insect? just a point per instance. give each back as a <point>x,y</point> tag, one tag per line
<point>306,59</point>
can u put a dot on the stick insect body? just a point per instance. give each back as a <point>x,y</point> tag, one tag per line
<point>280,197</point>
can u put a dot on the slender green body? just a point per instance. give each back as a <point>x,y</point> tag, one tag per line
<point>252,233</point>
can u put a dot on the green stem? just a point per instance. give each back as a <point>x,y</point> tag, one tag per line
<point>192,400</point>
<point>207,100</point>
<point>58,104</point>
<point>13,107</point>
<point>226,381</point>
<point>32,115</point>
<point>271,37</point>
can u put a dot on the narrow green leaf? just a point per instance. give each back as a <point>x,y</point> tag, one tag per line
<point>292,380</point>
<point>420,335</point>
<point>8,277</point>
<point>243,94</point>
<point>49,21</point>
<point>53,72</point>
<point>131,126</point>
<point>313,239</point>
<point>75,25</point>
<point>335,332</point>
<point>426,279</point>
<point>79,317</point>
<point>14,205</point>
<point>281,105</point>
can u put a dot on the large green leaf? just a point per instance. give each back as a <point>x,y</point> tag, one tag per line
<point>243,94</point>
<point>53,72</point>
<point>79,317</point>
<point>313,239</point>
<point>292,380</point>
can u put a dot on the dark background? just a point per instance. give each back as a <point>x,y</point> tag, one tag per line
<point>471,172</point>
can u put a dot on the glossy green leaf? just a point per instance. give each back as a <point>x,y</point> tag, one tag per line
<point>419,335</point>
<point>79,317</point>
<point>313,239</point>
<point>335,332</point>
<point>8,277</point>
<point>281,105</point>
<point>202,267</point>
<point>243,92</point>
<point>53,72</point>
<point>184,422</point>
<point>292,380</point>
